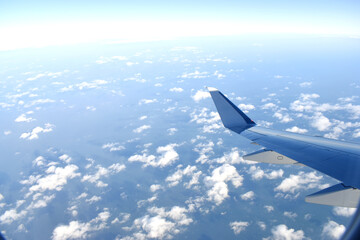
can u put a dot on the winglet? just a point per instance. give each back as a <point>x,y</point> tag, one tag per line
<point>231,116</point>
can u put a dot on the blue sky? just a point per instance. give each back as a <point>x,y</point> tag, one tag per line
<point>41,23</point>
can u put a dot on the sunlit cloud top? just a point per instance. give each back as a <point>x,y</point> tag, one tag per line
<point>46,24</point>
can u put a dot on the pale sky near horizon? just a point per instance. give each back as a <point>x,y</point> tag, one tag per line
<point>44,23</point>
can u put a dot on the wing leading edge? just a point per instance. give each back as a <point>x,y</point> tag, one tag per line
<point>338,159</point>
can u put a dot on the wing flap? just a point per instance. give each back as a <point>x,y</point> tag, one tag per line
<point>337,195</point>
<point>269,156</point>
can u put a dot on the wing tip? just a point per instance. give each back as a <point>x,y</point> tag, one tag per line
<point>212,89</point>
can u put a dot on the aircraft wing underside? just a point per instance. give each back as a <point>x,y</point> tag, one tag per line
<point>338,159</point>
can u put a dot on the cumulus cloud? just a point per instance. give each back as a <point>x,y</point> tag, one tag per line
<point>55,180</point>
<point>269,208</point>
<point>34,134</point>
<point>113,146</point>
<point>167,156</point>
<point>305,84</point>
<point>290,214</point>
<point>233,157</point>
<point>282,232</point>
<point>147,101</point>
<point>217,181</point>
<point>296,129</point>
<point>39,161</point>
<point>172,131</point>
<point>80,230</point>
<point>141,128</point>
<point>23,118</point>
<point>344,211</point>
<point>210,120</point>
<point>155,187</point>
<point>195,75</point>
<point>190,171</point>
<point>65,158</point>
<point>300,181</point>
<point>238,227</point>
<point>12,215</point>
<point>248,196</point>
<point>284,118</point>
<point>333,230</point>
<point>200,95</point>
<point>103,60</point>
<point>160,223</point>
<point>257,173</point>
<point>320,122</point>
<point>176,89</point>
<point>103,172</point>
<point>246,107</point>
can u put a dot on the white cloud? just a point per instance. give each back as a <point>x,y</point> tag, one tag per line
<point>90,108</point>
<point>200,94</point>
<point>320,122</point>
<point>147,101</point>
<point>262,225</point>
<point>217,181</point>
<point>356,133</point>
<point>103,60</point>
<point>176,89</point>
<point>155,187</point>
<point>95,84</point>
<point>305,84</point>
<point>66,158</point>
<point>93,199</point>
<point>333,230</point>
<point>7,132</point>
<point>11,215</point>
<point>39,161</point>
<point>141,128</point>
<point>284,118</point>
<point>167,157</point>
<point>23,118</point>
<point>211,121</point>
<point>282,232</point>
<point>113,146</point>
<point>238,227</point>
<point>34,133</point>
<point>290,214</point>
<point>176,177</point>
<point>344,211</point>
<point>195,75</point>
<point>248,196</point>
<point>269,106</point>
<point>79,230</point>
<point>55,180</point>
<point>143,117</point>
<point>301,181</point>
<point>163,225</point>
<point>246,107</point>
<point>103,172</point>
<point>172,131</point>
<point>269,208</point>
<point>296,129</point>
<point>232,157</point>
<point>257,173</point>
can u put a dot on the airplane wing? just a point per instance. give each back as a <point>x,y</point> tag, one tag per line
<point>337,159</point>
